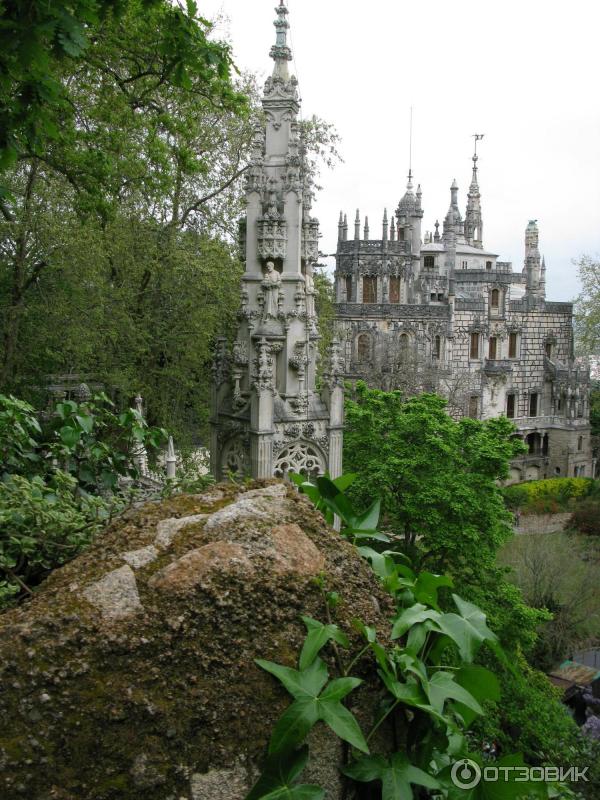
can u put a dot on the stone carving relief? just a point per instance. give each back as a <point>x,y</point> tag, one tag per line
<point>235,457</point>
<point>300,457</point>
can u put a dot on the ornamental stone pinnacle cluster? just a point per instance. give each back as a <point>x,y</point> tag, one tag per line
<point>267,418</point>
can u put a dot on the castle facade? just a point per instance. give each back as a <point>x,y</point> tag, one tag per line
<point>440,312</point>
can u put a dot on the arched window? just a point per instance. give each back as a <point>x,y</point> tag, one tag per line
<point>394,289</point>
<point>474,349</point>
<point>580,443</point>
<point>493,348</point>
<point>404,343</point>
<point>437,347</point>
<point>363,347</point>
<point>495,301</point>
<point>512,345</point>
<point>488,264</point>
<point>429,262</point>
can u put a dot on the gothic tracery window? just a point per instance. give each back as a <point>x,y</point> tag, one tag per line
<point>495,301</point>
<point>394,289</point>
<point>301,458</point>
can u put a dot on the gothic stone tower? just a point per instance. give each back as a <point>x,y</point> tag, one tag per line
<point>268,419</point>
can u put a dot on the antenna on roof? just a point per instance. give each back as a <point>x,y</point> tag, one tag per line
<point>410,145</point>
<point>478,137</point>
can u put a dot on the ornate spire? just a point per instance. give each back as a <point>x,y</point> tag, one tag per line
<point>366,228</point>
<point>280,52</point>
<point>357,225</point>
<point>385,225</point>
<point>473,216</point>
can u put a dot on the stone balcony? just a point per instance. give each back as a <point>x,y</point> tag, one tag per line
<point>550,421</point>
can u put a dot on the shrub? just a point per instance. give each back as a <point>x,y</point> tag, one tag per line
<point>59,482</point>
<point>550,495</point>
<point>43,524</point>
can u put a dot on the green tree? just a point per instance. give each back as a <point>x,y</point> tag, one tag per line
<point>41,41</point>
<point>587,305</point>
<point>437,477</point>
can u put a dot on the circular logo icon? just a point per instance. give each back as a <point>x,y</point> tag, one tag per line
<point>466,773</point>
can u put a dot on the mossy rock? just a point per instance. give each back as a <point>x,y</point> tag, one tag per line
<point>131,672</point>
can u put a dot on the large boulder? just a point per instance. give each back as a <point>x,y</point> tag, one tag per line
<point>131,672</point>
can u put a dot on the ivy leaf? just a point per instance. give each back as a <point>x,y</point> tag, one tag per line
<point>469,630</point>
<point>427,586</point>
<point>412,616</point>
<point>481,684</point>
<point>396,775</point>
<point>312,705</point>
<point>442,687</point>
<point>317,638</point>
<point>277,779</point>
<point>69,436</point>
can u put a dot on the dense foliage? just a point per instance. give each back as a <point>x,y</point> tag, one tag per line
<point>59,482</point>
<point>430,689</point>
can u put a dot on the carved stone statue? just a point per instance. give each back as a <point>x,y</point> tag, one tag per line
<point>271,285</point>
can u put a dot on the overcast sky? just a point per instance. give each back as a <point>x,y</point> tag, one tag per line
<point>523,73</point>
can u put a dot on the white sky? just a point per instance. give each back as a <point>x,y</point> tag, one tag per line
<point>524,73</point>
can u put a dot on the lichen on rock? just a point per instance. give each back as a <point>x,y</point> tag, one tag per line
<point>131,672</point>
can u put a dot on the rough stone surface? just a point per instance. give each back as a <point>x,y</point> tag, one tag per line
<point>169,528</point>
<point>220,784</point>
<point>163,699</point>
<point>142,557</point>
<point>115,594</point>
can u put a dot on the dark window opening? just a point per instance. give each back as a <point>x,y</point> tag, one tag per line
<point>433,297</point>
<point>437,347</point>
<point>400,234</point>
<point>510,406</point>
<point>488,264</point>
<point>493,348</point>
<point>369,289</point>
<point>512,345</point>
<point>440,298</point>
<point>580,443</point>
<point>429,261</point>
<point>474,345</point>
<point>533,404</point>
<point>495,298</point>
<point>394,289</point>
<point>348,289</point>
<point>534,444</point>
<point>549,349</point>
<point>545,444</point>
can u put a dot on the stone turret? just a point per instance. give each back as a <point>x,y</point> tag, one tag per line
<point>268,419</point>
<point>535,287</point>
